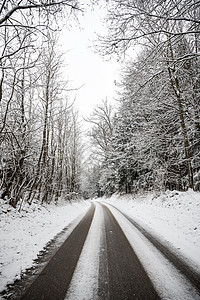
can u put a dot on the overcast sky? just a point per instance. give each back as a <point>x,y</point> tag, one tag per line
<point>85,67</point>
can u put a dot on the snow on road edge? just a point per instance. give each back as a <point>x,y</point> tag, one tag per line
<point>173,217</point>
<point>23,235</point>
<point>169,283</point>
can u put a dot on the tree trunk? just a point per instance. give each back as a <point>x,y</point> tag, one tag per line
<point>175,86</point>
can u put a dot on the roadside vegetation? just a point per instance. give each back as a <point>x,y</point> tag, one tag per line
<point>151,139</point>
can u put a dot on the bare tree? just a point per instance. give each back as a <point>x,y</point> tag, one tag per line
<point>31,91</point>
<point>14,126</point>
<point>102,126</point>
<point>133,22</point>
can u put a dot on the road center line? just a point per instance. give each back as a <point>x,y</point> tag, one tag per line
<point>84,284</point>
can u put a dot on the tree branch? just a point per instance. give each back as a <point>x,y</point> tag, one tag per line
<point>33,6</point>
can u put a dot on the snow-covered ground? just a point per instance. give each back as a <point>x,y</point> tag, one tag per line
<point>23,235</point>
<point>174,217</point>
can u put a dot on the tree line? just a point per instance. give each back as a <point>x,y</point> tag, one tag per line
<point>40,137</point>
<point>151,140</point>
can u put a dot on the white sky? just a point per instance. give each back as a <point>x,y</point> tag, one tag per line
<point>85,67</point>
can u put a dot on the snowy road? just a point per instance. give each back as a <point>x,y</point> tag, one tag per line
<point>108,256</point>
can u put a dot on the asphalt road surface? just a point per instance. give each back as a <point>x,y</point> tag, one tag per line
<point>126,277</point>
<point>121,275</point>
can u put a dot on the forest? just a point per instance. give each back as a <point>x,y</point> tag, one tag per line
<point>148,140</point>
<point>151,140</point>
<point>39,134</point>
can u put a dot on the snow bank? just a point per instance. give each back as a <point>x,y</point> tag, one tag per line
<point>23,235</point>
<point>174,217</point>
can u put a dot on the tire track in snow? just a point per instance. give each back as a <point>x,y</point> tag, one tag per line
<point>168,280</point>
<point>179,263</point>
<point>53,282</point>
<point>125,276</point>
